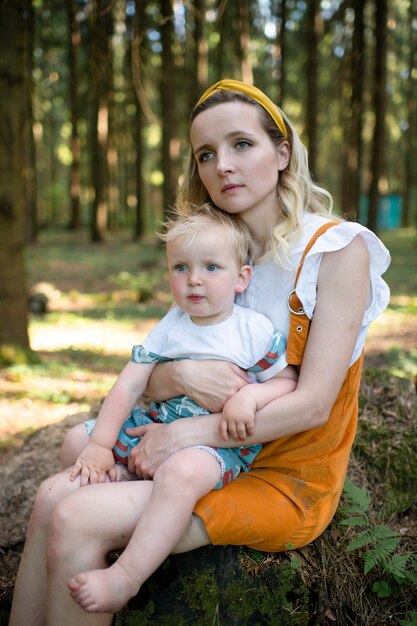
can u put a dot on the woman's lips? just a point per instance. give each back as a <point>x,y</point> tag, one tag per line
<point>231,187</point>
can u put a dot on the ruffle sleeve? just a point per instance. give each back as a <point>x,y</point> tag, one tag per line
<point>334,239</point>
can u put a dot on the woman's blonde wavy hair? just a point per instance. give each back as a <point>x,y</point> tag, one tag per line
<point>296,191</point>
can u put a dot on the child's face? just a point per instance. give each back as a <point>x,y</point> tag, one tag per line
<point>205,276</point>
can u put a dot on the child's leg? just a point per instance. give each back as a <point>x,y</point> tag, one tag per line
<point>181,480</point>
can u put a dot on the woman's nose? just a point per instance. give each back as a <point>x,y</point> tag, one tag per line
<point>224,164</point>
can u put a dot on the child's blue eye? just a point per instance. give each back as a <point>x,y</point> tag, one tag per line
<point>211,267</point>
<point>181,267</point>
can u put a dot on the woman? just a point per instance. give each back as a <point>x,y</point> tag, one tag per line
<point>247,159</point>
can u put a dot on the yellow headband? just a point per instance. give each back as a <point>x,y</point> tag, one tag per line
<point>251,91</point>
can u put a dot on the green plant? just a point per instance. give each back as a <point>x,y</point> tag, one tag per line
<point>412,621</point>
<point>142,283</point>
<point>379,544</point>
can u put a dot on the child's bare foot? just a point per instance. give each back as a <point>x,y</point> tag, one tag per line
<point>102,590</point>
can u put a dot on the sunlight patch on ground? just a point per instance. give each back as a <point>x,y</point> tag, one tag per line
<point>109,338</point>
<point>17,416</point>
<point>30,400</point>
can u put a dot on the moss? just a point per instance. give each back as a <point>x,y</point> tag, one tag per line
<point>201,593</point>
<point>212,586</point>
<point>275,596</point>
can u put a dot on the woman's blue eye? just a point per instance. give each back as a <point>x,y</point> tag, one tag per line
<point>211,267</point>
<point>243,144</point>
<point>205,156</point>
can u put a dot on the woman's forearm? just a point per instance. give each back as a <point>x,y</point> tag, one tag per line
<point>164,382</point>
<point>288,415</point>
<point>209,383</point>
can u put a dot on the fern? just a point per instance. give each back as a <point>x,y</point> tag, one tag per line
<point>378,543</point>
<point>358,497</point>
<point>412,621</point>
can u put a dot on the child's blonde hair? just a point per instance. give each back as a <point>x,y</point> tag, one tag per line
<point>186,225</point>
<point>296,191</point>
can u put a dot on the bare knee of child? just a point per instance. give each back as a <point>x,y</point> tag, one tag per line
<point>188,473</point>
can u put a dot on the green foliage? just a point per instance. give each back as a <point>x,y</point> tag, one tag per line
<point>379,544</point>
<point>412,621</point>
<point>143,283</point>
<point>16,355</point>
<point>402,272</point>
<point>386,441</point>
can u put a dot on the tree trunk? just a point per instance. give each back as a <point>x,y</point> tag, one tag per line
<point>380,105</point>
<point>221,25</point>
<point>352,157</point>
<point>170,145</point>
<point>75,184</point>
<point>244,28</point>
<point>283,51</point>
<point>199,71</point>
<point>101,72</point>
<point>313,37</point>
<point>137,72</point>
<point>411,154</point>
<point>29,174</point>
<point>13,131</point>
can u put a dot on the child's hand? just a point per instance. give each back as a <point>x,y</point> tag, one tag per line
<point>93,464</point>
<point>238,417</point>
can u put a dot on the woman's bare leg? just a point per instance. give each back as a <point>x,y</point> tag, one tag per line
<point>29,599</point>
<point>180,481</point>
<point>83,532</point>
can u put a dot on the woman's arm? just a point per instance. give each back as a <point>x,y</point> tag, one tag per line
<point>186,377</point>
<point>238,415</point>
<point>342,296</point>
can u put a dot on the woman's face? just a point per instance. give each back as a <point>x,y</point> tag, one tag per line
<point>237,162</point>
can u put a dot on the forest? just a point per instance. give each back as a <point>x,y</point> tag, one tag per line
<point>95,98</point>
<point>95,101</point>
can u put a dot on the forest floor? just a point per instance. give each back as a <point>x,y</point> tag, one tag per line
<point>104,298</point>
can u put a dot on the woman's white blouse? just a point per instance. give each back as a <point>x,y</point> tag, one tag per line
<point>271,284</point>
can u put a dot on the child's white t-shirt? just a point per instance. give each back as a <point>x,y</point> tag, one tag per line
<point>244,338</point>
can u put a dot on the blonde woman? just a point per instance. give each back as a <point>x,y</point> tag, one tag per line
<point>318,279</point>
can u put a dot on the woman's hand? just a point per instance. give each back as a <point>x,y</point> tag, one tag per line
<point>153,449</point>
<point>209,383</point>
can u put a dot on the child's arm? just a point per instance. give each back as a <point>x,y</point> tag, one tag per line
<point>238,416</point>
<point>97,457</point>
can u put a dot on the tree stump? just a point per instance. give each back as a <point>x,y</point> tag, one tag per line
<point>220,585</point>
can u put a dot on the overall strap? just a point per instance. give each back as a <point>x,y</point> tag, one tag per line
<point>299,322</point>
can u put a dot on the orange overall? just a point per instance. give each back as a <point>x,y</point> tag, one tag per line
<point>292,491</point>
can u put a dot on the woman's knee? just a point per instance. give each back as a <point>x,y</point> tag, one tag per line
<point>49,494</point>
<point>65,535</point>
